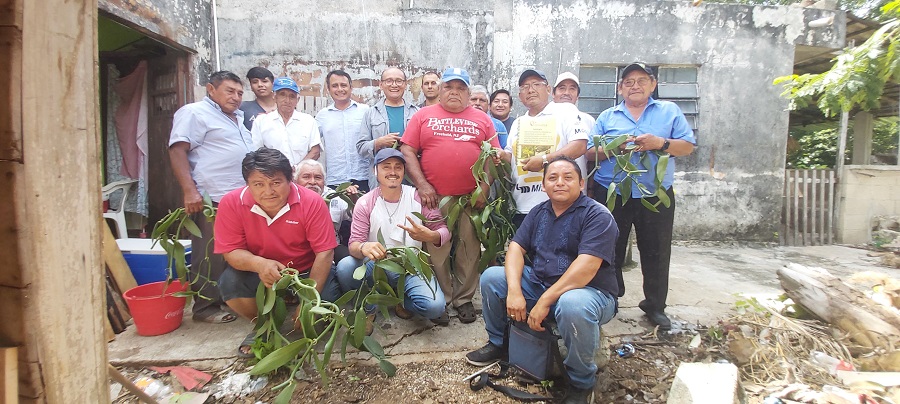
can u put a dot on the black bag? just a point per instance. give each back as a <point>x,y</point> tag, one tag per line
<point>533,356</point>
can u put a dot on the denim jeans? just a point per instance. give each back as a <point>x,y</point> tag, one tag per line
<point>579,313</point>
<point>419,297</point>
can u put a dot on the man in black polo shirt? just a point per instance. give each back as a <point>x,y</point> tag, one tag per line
<point>571,239</point>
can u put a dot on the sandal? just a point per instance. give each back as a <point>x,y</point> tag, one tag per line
<point>217,317</point>
<point>466,313</point>
<point>443,319</point>
<point>247,342</point>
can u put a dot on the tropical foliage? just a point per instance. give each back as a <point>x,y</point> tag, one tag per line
<point>608,145</point>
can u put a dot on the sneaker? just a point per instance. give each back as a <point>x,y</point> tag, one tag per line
<point>486,355</point>
<point>579,396</point>
<point>659,318</point>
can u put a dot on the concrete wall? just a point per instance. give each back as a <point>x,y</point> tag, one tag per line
<point>729,188</point>
<point>183,24</point>
<point>866,192</point>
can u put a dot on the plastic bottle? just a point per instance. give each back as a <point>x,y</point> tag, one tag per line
<point>154,388</point>
<point>829,363</point>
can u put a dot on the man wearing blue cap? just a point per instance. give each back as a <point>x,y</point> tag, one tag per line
<point>293,133</point>
<point>656,128</point>
<point>441,144</point>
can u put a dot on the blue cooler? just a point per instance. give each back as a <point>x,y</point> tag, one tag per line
<point>147,264</point>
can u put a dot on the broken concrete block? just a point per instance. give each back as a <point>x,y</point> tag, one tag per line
<point>713,383</point>
<point>885,223</point>
<point>884,238</point>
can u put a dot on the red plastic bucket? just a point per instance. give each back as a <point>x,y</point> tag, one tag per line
<point>154,311</point>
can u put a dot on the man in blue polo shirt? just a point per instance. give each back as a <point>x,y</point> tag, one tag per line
<point>655,128</point>
<point>206,146</point>
<point>571,240</point>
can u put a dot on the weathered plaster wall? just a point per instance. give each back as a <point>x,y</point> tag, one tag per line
<point>866,191</point>
<point>184,24</point>
<point>729,188</point>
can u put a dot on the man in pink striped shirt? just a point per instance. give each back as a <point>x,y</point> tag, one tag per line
<point>389,209</point>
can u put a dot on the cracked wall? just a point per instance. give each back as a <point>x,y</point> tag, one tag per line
<point>729,188</point>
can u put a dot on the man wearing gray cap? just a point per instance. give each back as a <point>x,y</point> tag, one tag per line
<point>441,144</point>
<point>656,129</point>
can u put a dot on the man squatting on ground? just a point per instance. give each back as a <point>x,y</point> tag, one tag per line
<point>388,209</point>
<point>571,239</point>
<point>269,225</point>
<point>653,125</point>
<point>440,145</point>
<point>208,139</point>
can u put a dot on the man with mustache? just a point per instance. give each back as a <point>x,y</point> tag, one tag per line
<point>311,175</point>
<point>655,128</point>
<point>207,142</point>
<point>294,133</point>
<point>385,123</point>
<point>448,138</point>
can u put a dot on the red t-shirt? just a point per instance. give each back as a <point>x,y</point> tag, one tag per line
<point>293,238</point>
<point>449,143</point>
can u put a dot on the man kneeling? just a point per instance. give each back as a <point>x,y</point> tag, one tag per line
<point>267,226</point>
<point>386,209</point>
<point>571,239</point>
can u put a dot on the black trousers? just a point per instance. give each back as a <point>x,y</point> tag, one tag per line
<point>654,241</point>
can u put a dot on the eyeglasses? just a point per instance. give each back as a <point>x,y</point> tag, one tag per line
<point>394,82</point>
<point>643,81</point>
<point>536,86</point>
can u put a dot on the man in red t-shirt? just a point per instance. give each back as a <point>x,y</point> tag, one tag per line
<point>267,226</point>
<point>441,143</point>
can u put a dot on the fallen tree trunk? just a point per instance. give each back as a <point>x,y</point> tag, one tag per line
<point>866,323</point>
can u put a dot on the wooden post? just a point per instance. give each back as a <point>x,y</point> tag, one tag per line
<point>839,167</point>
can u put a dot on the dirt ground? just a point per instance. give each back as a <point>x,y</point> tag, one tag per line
<point>644,377</point>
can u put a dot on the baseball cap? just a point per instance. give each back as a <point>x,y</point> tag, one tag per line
<point>387,153</point>
<point>531,72</point>
<point>456,73</point>
<point>566,76</point>
<point>285,82</point>
<point>636,66</point>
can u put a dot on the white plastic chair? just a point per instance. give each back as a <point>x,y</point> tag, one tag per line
<point>118,215</point>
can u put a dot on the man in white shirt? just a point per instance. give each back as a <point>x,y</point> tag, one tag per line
<point>339,124</point>
<point>570,135</point>
<point>291,132</point>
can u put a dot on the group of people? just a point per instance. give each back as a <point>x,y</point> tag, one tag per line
<point>259,163</point>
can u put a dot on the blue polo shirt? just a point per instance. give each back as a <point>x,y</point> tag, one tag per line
<point>553,243</point>
<point>660,118</point>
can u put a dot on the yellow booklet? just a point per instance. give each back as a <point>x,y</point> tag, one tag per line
<point>537,136</point>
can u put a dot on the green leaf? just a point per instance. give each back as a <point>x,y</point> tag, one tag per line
<point>382,300</point>
<point>285,396</point>
<point>260,299</point>
<point>320,310</point>
<point>191,227</point>
<point>389,265</point>
<point>420,216</point>
<point>269,302</point>
<point>373,347</point>
<point>649,205</point>
<point>452,217</point>
<point>661,167</point>
<point>346,297</point>
<point>359,328</point>
<point>388,368</point>
<point>359,272</point>
<point>381,238</point>
<point>445,200</point>
<point>625,190</point>
<point>663,197</point>
<point>280,357</point>
<point>615,143</point>
<point>280,312</point>
<point>611,195</point>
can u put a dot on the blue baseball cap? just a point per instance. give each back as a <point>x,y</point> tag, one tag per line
<point>388,152</point>
<point>456,73</point>
<point>285,82</point>
<point>532,72</point>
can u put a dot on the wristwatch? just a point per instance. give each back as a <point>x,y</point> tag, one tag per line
<point>665,145</point>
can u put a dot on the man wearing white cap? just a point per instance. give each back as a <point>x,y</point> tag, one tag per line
<point>291,132</point>
<point>441,144</point>
<point>567,89</point>
<point>569,134</point>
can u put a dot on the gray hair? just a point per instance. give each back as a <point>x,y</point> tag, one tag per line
<point>308,162</point>
<point>478,89</point>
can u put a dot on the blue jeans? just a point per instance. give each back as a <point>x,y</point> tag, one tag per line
<point>418,299</point>
<point>579,313</point>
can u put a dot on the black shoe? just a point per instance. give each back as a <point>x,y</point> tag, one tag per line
<point>659,318</point>
<point>486,355</point>
<point>579,396</point>
<point>443,320</point>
